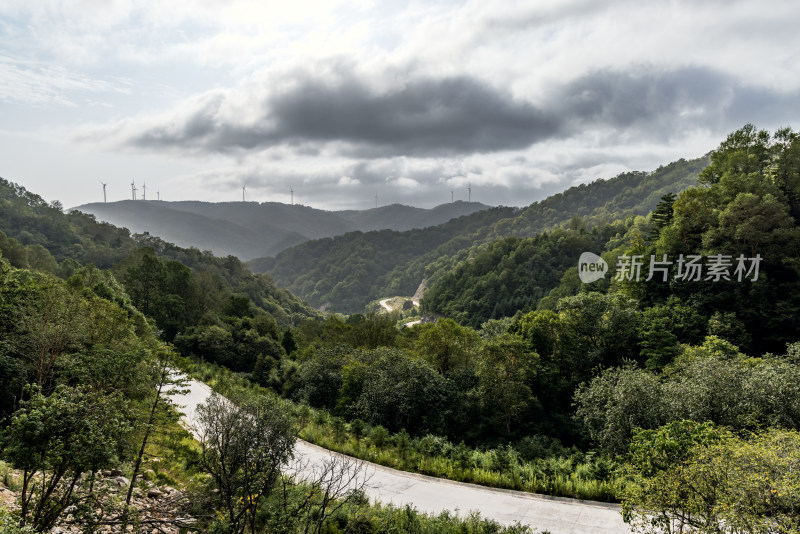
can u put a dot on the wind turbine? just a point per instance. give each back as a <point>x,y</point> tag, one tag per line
<point>469,192</point>
<point>158,195</point>
<point>244,188</point>
<point>292,192</point>
<point>133,189</point>
<point>104,189</point>
<point>452,198</point>
<point>144,191</point>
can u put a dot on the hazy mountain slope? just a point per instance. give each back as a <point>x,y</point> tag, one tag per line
<point>179,227</point>
<point>250,229</point>
<point>269,216</point>
<point>356,268</point>
<point>400,217</point>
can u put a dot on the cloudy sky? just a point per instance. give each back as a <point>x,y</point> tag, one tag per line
<point>407,100</point>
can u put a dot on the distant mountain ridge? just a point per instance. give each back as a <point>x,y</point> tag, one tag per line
<point>249,230</point>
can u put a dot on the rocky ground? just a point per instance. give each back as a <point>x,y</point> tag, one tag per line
<point>157,509</point>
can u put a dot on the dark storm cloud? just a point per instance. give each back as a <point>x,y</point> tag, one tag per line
<point>461,115</point>
<point>423,117</point>
<point>451,115</point>
<point>663,103</point>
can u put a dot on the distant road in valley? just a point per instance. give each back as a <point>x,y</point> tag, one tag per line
<point>433,495</point>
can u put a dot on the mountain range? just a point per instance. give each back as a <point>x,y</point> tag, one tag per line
<point>249,230</point>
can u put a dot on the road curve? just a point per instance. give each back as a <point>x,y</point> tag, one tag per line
<point>434,495</point>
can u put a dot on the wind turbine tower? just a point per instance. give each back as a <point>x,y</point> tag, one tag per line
<point>292,192</point>
<point>133,189</point>
<point>244,188</point>
<point>158,195</point>
<point>452,197</point>
<point>469,192</point>
<point>104,189</point>
<point>144,191</point>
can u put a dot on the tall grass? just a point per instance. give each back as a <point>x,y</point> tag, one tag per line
<point>9,477</point>
<point>579,476</point>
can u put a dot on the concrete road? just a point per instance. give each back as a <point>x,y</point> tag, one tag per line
<point>434,495</point>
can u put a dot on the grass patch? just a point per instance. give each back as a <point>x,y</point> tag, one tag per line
<point>10,477</point>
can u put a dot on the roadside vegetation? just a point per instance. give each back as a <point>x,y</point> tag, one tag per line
<point>541,467</point>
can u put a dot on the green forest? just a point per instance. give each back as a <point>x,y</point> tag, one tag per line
<point>675,393</point>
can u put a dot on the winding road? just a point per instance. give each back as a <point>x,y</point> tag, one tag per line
<point>434,495</point>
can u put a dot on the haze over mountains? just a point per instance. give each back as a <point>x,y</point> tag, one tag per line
<point>250,229</point>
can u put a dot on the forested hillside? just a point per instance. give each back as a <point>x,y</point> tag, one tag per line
<point>514,274</point>
<point>250,229</point>
<point>745,206</point>
<point>89,439</point>
<point>347,272</point>
<point>80,372</point>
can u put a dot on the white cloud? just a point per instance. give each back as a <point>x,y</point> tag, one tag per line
<point>36,83</point>
<point>403,182</point>
<point>346,180</point>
